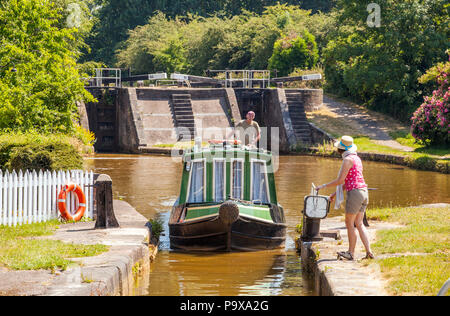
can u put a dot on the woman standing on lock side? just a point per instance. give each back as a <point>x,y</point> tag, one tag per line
<point>352,179</point>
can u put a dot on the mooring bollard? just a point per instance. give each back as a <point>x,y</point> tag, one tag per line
<point>105,208</point>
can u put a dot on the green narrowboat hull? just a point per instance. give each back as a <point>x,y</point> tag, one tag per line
<point>205,228</point>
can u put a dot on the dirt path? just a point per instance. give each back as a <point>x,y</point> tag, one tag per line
<point>351,278</point>
<point>339,118</point>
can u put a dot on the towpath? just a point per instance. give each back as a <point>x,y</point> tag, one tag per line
<point>341,117</point>
<point>110,273</point>
<point>343,278</point>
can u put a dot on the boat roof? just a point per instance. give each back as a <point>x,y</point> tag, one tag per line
<point>227,152</point>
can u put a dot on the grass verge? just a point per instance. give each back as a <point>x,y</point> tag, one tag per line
<point>405,138</point>
<point>22,249</point>
<point>415,275</point>
<point>423,158</point>
<point>416,160</point>
<point>424,244</point>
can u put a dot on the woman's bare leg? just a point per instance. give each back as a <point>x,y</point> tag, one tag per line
<point>363,231</point>
<point>352,237</point>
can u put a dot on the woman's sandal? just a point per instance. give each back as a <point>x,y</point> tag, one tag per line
<point>369,255</point>
<point>346,255</point>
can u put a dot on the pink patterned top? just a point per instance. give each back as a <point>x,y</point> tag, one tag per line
<point>355,178</point>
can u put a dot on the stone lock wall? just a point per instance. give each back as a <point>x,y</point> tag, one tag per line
<point>312,99</point>
<point>130,120</point>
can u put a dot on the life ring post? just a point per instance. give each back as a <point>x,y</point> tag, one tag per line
<point>105,208</point>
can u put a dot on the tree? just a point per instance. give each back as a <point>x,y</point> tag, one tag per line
<point>76,13</point>
<point>113,21</point>
<point>116,18</point>
<point>317,5</point>
<point>294,51</point>
<point>380,66</point>
<point>149,47</point>
<point>195,44</point>
<point>39,80</point>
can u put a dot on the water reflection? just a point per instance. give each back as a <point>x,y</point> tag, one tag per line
<point>268,273</point>
<point>226,274</point>
<point>151,185</point>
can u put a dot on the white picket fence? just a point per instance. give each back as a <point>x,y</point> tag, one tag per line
<point>32,197</point>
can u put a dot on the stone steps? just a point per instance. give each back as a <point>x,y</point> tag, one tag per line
<point>186,123</point>
<point>182,112</point>
<point>181,109</point>
<point>297,113</point>
<point>296,104</point>
<point>181,117</point>
<point>299,118</point>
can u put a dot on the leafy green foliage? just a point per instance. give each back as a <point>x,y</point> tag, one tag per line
<point>316,5</point>
<point>52,157</point>
<point>116,17</point>
<point>113,20</point>
<point>244,41</point>
<point>76,14</point>
<point>157,228</point>
<point>430,79</point>
<point>33,151</point>
<point>294,52</point>
<point>431,121</point>
<point>156,46</point>
<point>380,66</point>
<point>39,80</point>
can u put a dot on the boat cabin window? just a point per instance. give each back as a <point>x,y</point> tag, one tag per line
<point>259,182</point>
<point>238,179</point>
<point>219,180</point>
<point>197,187</point>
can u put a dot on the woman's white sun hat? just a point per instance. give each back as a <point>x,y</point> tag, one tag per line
<point>346,143</point>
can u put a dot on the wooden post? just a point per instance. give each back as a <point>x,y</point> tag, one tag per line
<point>105,209</point>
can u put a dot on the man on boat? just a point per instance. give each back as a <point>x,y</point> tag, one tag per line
<point>249,130</point>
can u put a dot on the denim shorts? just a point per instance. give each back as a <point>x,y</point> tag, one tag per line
<point>357,201</point>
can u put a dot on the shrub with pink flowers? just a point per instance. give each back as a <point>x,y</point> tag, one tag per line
<point>431,121</point>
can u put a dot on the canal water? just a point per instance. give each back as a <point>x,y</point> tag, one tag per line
<point>151,184</point>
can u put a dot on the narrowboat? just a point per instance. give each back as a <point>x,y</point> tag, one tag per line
<point>227,201</point>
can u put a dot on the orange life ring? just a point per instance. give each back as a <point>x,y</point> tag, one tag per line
<point>62,202</point>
